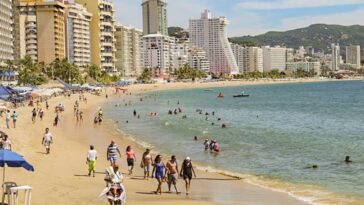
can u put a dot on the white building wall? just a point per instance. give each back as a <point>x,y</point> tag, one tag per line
<point>6,33</point>
<point>274,58</point>
<point>211,35</point>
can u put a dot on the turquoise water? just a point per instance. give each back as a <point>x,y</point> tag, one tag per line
<point>276,133</point>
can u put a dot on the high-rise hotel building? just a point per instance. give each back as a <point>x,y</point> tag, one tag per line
<point>353,56</point>
<point>129,53</point>
<point>102,33</point>
<point>155,17</point>
<point>78,35</point>
<point>210,34</point>
<point>6,31</point>
<point>40,30</point>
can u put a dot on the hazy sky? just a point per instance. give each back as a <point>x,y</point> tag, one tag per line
<point>251,17</point>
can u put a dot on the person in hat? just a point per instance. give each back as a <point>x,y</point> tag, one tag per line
<point>186,172</point>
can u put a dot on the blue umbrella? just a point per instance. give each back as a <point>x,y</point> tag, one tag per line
<point>12,159</point>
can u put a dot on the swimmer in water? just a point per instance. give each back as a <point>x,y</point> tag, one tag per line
<point>195,138</point>
<point>348,160</point>
<point>223,126</point>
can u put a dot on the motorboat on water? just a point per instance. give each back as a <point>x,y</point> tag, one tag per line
<point>209,90</point>
<point>242,95</point>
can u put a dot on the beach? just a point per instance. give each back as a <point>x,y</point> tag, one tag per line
<point>61,177</point>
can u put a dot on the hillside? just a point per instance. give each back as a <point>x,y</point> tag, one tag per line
<point>319,36</point>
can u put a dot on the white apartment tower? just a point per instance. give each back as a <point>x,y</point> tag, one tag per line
<point>158,53</point>
<point>238,52</point>
<point>274,58</point>
<point>335,57</point>
<point>253,59</point>
<point>211,35</point>
<point>129,51</point>
<point>353,56</point>
<point>197,58</point>
<point>78,35</point>
<point>155,17</point>
<point>6,31</point>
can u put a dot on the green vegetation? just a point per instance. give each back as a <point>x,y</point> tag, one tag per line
<point>187,72</point>
<point>320,36</point>
<point>65,71</point>
<point>177,32</point>
<point>145,76</point>
<point>276,74</point>
<point>30,72</point>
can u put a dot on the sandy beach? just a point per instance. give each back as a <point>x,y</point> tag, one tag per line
<point>61,177</point>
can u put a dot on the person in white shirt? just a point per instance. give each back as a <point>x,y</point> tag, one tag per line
<point>91,160</point>
<point>47,140</point>
<point>8,119</point>
<point>6,143</point>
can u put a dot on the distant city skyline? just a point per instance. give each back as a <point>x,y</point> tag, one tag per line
<point>252,17</point>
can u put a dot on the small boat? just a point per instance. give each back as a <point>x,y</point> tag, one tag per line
<point>242,95</point>
<point>208,90</point>
<point>221,95</point>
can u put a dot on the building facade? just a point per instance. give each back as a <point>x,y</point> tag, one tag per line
<point>210,34</point>
<point>197,58</point>
<point>305,66</point>
<point>274,58</point>
<point>180,54</point>
<point>129,51</point>
<point>253,59</point>
<point>78,35</point>
<point>353,56</point>
<point>6,31</point>
<point>102,33</point>
<point>40,30</point>
<point>158,53</point>
<point>238,52</point>
<point>335,57</point>
<point>155,17</point>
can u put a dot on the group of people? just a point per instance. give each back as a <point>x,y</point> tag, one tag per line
<point>9,116</point>
<point>98,117</point>
<point>211,145</point>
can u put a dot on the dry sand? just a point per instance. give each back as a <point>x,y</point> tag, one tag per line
<point>61,177</point>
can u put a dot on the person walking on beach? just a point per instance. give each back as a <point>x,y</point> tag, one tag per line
<point>130,159</point>
<point>34,115</point>
<point>186,172</point>
<point>41,114</point>
<point>159,172</point>
<point>91,160</point>
<point>172,173</point>
<point>56,120</point>
<point>15,117</point>
<point>47,140</point>
<point>146,163</point>
<point>7,119</point>
<point>112,151</point>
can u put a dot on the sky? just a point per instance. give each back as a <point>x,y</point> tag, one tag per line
<point>252,17</point>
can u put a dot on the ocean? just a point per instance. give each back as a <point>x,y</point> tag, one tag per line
<point>274,136</point>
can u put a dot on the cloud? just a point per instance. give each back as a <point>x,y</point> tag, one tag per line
<point>291,4</point>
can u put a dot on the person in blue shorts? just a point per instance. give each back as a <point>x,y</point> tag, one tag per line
<point>159,172</point>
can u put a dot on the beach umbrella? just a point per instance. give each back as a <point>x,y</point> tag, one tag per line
<point>12,159</point>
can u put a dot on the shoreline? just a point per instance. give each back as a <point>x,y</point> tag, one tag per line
<point>62,175</point>
<point>274,185</point>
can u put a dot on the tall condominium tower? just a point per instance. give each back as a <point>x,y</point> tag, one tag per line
<point>353,56</point>
<point>335,57</point>
<point>6,31</point>
<point>155,17</point>
<point>210,34</point>
<point>129,51</point>
<point>40,30</point>
<point>102,33</point>
<point>238,52</point>
<point>253,59</point>
<point>78,35</point>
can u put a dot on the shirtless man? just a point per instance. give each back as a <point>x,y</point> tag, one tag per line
<point>172,173</point>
